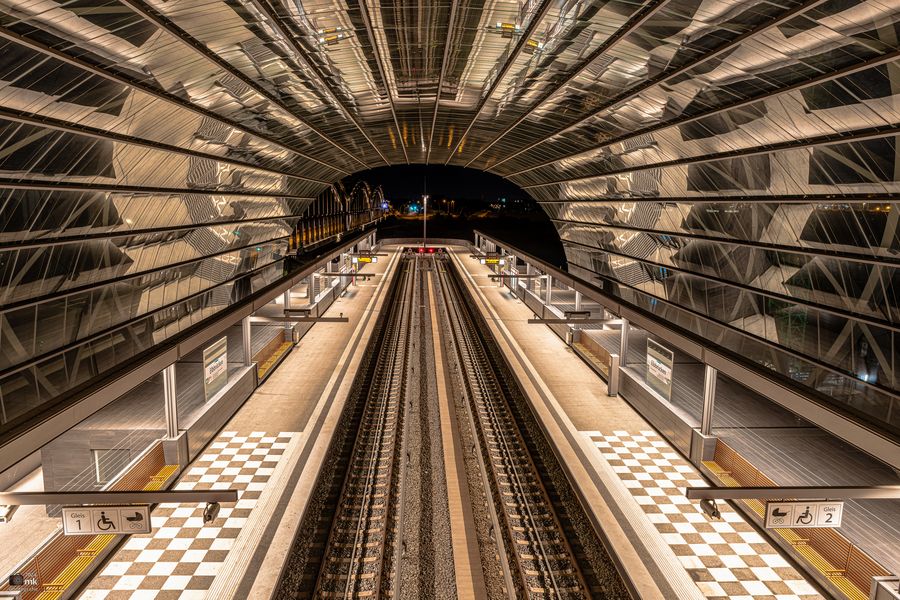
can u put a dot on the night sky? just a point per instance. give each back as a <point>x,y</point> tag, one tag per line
<point>523,225</point>
<point>409,182</point>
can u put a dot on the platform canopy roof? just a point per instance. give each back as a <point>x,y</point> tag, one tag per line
<point>730,165</point>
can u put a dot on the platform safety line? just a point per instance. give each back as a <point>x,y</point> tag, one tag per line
<point>466,555</point>
<point>625,548</point>
<point>322,422</point>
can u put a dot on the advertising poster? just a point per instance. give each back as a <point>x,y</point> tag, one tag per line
<point>215,367</point>
<point>659,368</point>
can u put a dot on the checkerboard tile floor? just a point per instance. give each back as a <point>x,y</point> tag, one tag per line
<point>180,558</point>
<point>727,558</point>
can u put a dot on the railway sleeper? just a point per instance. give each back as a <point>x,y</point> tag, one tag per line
<point>542,590</point>
<point>541,573</point>
<point>538,529</point>
<point>352,530</point>
<point>374,544</point>
<point>345,576</point>
<point>347,561</point>
<point>358,507</point>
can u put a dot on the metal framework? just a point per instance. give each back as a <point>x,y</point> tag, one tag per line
<point>731,165</point>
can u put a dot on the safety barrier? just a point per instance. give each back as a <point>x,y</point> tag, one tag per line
<point>840,562</point>
<point>65,560</point>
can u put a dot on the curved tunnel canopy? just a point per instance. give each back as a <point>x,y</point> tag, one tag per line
<point>729,165</point>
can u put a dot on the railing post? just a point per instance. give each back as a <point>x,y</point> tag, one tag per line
<point>287,306</point>
<point>246,341</point>
<point>623,343</point>
<point>170,396</point>
<point>612,385</point>
<point>709,399</point>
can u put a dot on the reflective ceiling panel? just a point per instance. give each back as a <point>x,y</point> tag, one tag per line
<point>730,165</point>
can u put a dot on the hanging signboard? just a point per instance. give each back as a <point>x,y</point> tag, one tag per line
<point>215,367</point>
<point>95,520</point>
<point>796,515</point>
<point>660,361</point>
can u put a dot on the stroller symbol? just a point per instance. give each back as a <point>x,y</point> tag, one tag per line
<point>104,524</point>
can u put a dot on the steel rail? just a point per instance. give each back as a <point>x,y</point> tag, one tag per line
<point>497,537</point>
<point>371,470</point>
<point>515,463</point>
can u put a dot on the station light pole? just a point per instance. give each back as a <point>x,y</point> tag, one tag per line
<point>424,220</point>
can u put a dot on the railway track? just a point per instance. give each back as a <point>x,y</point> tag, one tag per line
<point>533,540</point>
<point>540,562</point>
<point>357,561</point>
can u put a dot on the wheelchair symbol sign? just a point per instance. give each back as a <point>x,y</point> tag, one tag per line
<point>804,517</point>
<point>105,520</point>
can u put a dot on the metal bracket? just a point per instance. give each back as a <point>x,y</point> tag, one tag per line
<point>132,497</point>
<point>872,492</point>
<point>582,321</point>
<point>290,319</point>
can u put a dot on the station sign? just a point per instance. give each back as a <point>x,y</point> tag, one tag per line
<point>97,520</point>
<point>796,515</point>
<point>493,261</point>
<point>660,362</point>
<point>364,259</point>
<point>215,368</point>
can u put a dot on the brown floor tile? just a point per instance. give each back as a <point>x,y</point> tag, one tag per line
<point>200,582</point>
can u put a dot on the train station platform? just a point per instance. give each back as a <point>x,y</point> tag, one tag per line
<point>788,449</point>
<point>628,473</point>
<point>271,451</point>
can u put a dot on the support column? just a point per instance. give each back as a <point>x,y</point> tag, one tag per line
<point>623,343</point>
<point>169,396</point>
<point>577,300</point>
<point>709,399</point>
<point>288,334</point>
<point>529,281</point>
<point>549,290</point>
<point>245,340</point>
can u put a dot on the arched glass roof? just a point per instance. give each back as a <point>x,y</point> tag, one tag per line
<point>729,164</point>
